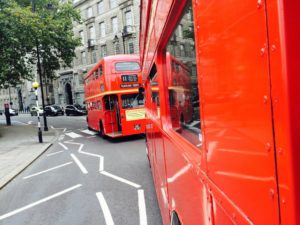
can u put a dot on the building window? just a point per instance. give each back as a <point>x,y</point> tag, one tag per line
<point>117,48</point>
<point>92,33</point>
<point>113,3</point>
<point>89,12</point>
<point>103,50</point>
<point>102,29</point>
<point>100,7</point>
<point>128,21</point>
<point>94,56</point>
<point>182,50</point>
<point>114,24</point>
<point>83,58</point>
<point>81,34</point>
<point>180,31</point>
<point>130,48</point>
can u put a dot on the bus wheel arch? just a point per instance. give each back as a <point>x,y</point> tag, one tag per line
<point>175,218</point>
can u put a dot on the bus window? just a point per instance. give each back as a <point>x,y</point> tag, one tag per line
<point>127,66</point>
<point>101,70</point>
<point>132,101</point>
<point>96,74</point>
<point>183,86</point>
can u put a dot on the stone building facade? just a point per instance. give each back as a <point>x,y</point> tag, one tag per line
<point>108,27</point>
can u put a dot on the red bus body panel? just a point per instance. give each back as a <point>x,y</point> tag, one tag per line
<point>247,170</point>
<point>108,84</point>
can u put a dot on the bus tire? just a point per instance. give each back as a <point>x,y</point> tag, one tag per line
<point>174,219</point>
<point>101,130</point>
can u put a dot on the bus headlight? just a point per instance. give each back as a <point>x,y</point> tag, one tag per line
<point>137,127</point>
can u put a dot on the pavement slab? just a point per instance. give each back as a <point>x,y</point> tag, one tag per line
<point>19,147</point>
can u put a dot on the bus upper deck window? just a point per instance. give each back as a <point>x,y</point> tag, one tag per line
<point>127,66</point>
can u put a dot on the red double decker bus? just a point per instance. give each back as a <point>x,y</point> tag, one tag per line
<point>115,107</point>
<point>223,134</point>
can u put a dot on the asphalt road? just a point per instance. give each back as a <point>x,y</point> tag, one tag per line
<point>82,179</point>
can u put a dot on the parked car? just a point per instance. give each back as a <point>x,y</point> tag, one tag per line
<point>13,112</point>
<point>35,109</point>
<point>53,110</point>
<point>75,110</point>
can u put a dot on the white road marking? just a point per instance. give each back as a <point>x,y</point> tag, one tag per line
<point>39,202</point>
<point>107,215</point>
<point>54,153</point>
<point>120,179</point>
<point>73,135</point>
<point>142,207</point>
<point>101,158</point>
<point>62,145</point>
<point>61,137</point>
<point>90,132</point>
<point>79,164</point>
<point>91,137</point>
<point>64,129</point>
<point>52,127</point>
<point>45,171</point>
<point>29,122</point>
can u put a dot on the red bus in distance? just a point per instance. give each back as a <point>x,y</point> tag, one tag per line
<point>114,106</point>
<point>222,136</point>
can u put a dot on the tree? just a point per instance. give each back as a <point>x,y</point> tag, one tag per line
<point>25,33</point>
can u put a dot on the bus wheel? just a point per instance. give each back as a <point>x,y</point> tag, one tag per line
<point>101,131</point>
<point>174,219</point>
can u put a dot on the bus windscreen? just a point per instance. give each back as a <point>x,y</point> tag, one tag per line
<point>127,66</point>
<point>132,101</point>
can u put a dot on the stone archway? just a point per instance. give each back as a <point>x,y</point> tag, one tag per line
<point>68,94</point>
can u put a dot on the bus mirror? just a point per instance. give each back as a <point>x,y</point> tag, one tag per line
<point>141,90</point>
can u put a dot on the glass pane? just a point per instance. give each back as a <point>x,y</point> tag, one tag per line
<point>127,66</point>
<point>132,101</point>
<point>182,81</point>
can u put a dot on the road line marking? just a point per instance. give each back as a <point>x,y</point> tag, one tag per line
<point>79,164</point>
<point>120,179</point>
<point>101,164</point>
<point>45,171</point>
<point>142,207</point>
<point>101,158</point>
<point>29,122</point>
<point>106,212</point>
<point>54,153</point>
<point>64,129</point>
<point>62,145</point>
<point>72,143</point>
<point>52,127</point>
<point>39,202</point>
<point>91,137</point>
<point>88,132</point>
<point>61,137</point>
<point>73,135</point>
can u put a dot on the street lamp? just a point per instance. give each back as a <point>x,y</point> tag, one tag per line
<point>49,6</point>
<point>35,86</point>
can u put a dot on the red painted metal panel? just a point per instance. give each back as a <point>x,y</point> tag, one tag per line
<point>249,86</point>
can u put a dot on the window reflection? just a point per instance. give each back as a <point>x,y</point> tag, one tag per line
<point>182,81</point>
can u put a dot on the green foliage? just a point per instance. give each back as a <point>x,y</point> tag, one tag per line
<point>22,32</point>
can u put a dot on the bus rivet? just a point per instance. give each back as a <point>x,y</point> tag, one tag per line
<point>280,151</point>
<point>262,51</point>
<point>265,99</point>
<point>233,216</point>
<point>259,4</point>
<point>283,201</point>
<point>268,147</point>
<point>273,48</point>
<point>272,193</point>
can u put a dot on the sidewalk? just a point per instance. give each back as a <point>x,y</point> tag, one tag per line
<point>19,147</point>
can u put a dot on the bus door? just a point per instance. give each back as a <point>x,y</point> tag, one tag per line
<point>112,115</point>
